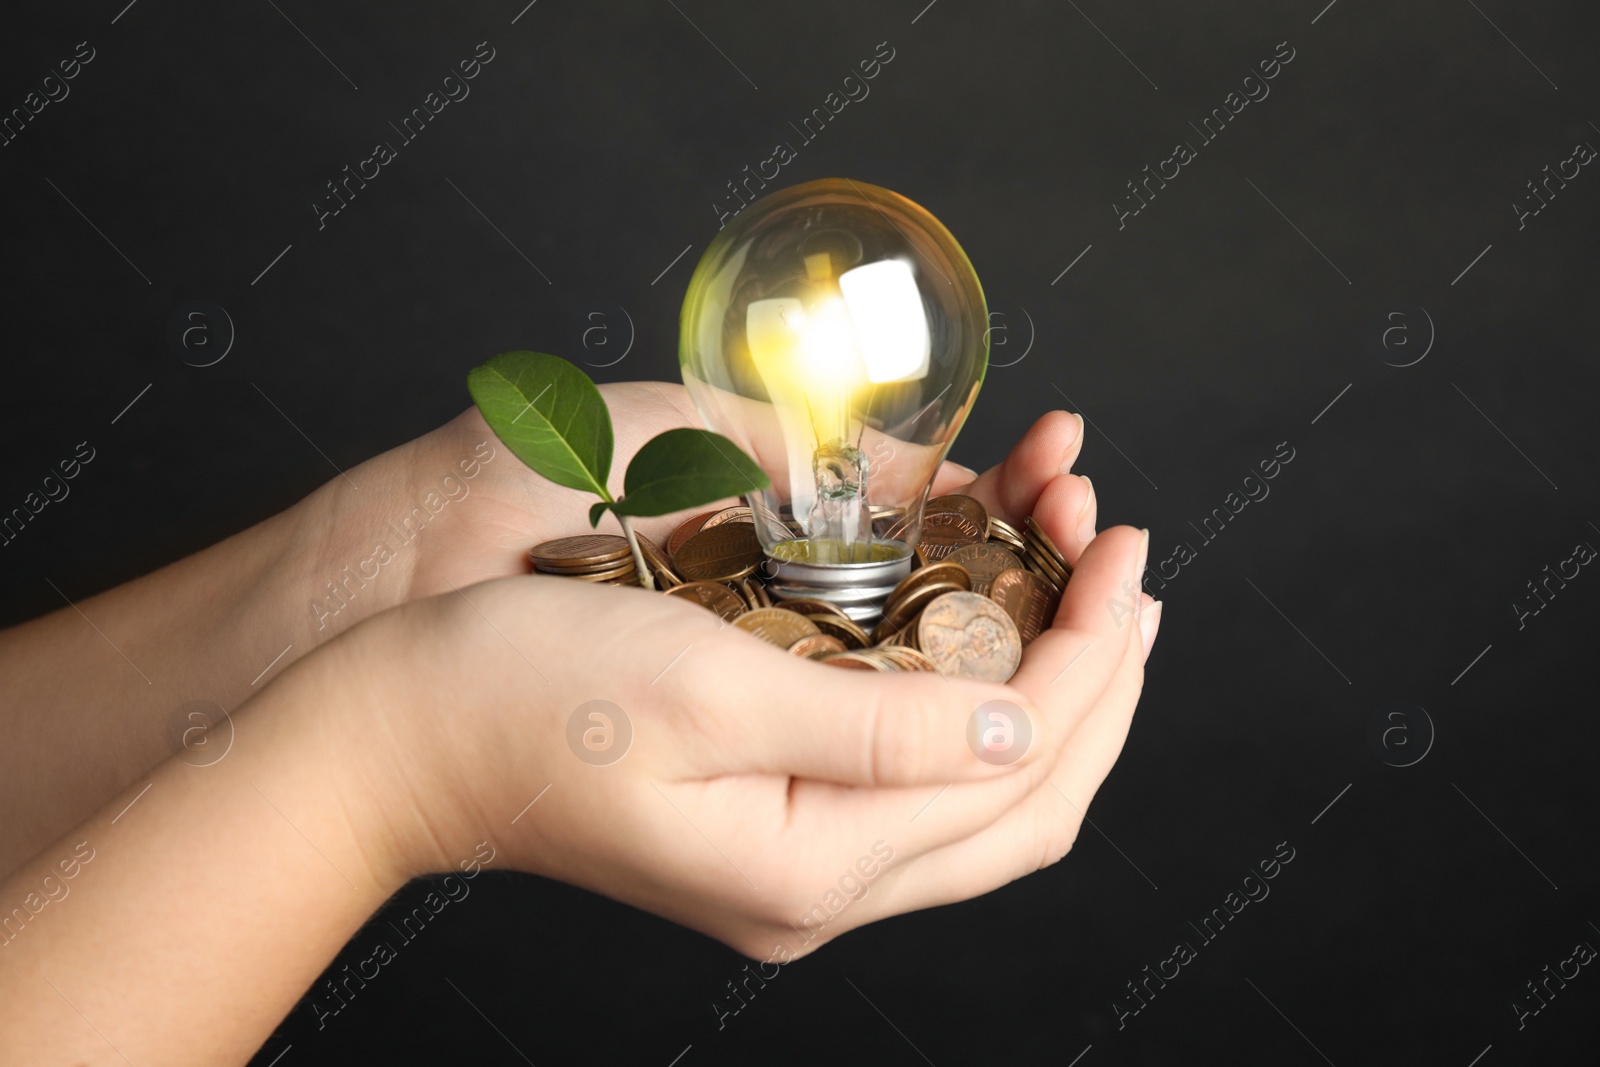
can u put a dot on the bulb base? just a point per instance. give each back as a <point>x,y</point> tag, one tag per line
<point>857,589</point>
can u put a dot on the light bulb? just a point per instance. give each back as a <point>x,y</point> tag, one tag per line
<point>837,333</point>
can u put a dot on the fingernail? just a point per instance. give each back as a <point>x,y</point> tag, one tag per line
<point>1149,624</point>
<point>967,472</point>
<point>1086,514</point>
<point>1138,569</point>
<point>1071,452</point>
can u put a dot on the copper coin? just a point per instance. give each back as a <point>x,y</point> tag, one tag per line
<point>746,590</point>
<point>1039,561</point>
<point>1036,531</point>
<point>736,514</point>
<point>624,571</point>
<point>1007,534</point>
<point>909,659</point>
<point>1028,599</point>
<point>763,597</point>
<point>903,612</point>
<point>713,596</point>
<point>816,645</point>
<point>929,575</point>
<point>983,562</point>
<point>721,553</point>
<point>952,521</point>
<point>780,627</point>
<point>583,550</point>
<point>945,531</point>
<point>685,530</point>
<point>842,627</point>
<point>807,606</point>
<point>657,561</point>
<point>971,636</point>
<point>851,661</point>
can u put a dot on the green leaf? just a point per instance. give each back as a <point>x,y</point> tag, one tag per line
<point>597,511</point>
<point>685,468</point>
<point>549,414</point>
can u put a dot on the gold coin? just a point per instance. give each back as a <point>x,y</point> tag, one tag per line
<point>777,625</point>
<point>685,530</point>
<point>721,553</point>
<point>813,645</point>
<point>713,596</point>
<point>1029,600</point>
<point>983,562</point>
<point>583,550</point>
<point>971,636</point>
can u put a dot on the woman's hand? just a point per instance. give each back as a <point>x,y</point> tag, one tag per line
<point>768,801</point>
<point>729,786</point>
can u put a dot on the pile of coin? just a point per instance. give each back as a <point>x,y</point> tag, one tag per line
<point>980,590</point>
<point>590,557</point>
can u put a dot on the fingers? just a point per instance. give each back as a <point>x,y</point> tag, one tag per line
<point>848,727</point>
<point>1067,667</point>
<point>1047,450</point>
<point>1068,509</point>
<point>952,478</point>
<point>1040,829</point>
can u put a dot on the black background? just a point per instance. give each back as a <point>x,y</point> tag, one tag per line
<point>1199,336</point>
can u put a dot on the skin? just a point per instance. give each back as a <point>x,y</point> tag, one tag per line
<point>410,738</point>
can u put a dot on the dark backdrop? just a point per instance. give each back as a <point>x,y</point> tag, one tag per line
<point>1361,217</point>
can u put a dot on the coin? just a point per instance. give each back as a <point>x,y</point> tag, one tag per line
<point>1007,534</point>
<point>909,659</point>
<point>929,575</point>
<point>1028,599</point>
<point>842,627</point>
<point>948,522</point>
<point>585,550</point>
<point>971,636</point>
<point>780,627</point>
<point>813,645</point>
<point>685,530</point>
<point>713,596</point>
<point>807,606</point>
<point>658,562</point>
<point>1038,560</point>
<point>624,573</point>
<point>903,612</point>
<point>723,552</point>
<point>1036,532</point>
<point>735,514</point>
<point>851,660</point>
<point>983,562</point>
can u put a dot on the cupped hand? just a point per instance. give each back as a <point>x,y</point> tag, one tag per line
<point>636,745</point>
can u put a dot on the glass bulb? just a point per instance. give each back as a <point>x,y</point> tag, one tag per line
<point>837,333</point>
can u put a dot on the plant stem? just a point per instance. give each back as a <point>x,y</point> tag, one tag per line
<point>646,579</point>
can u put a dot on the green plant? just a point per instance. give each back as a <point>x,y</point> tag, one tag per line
<point>552,418</point>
